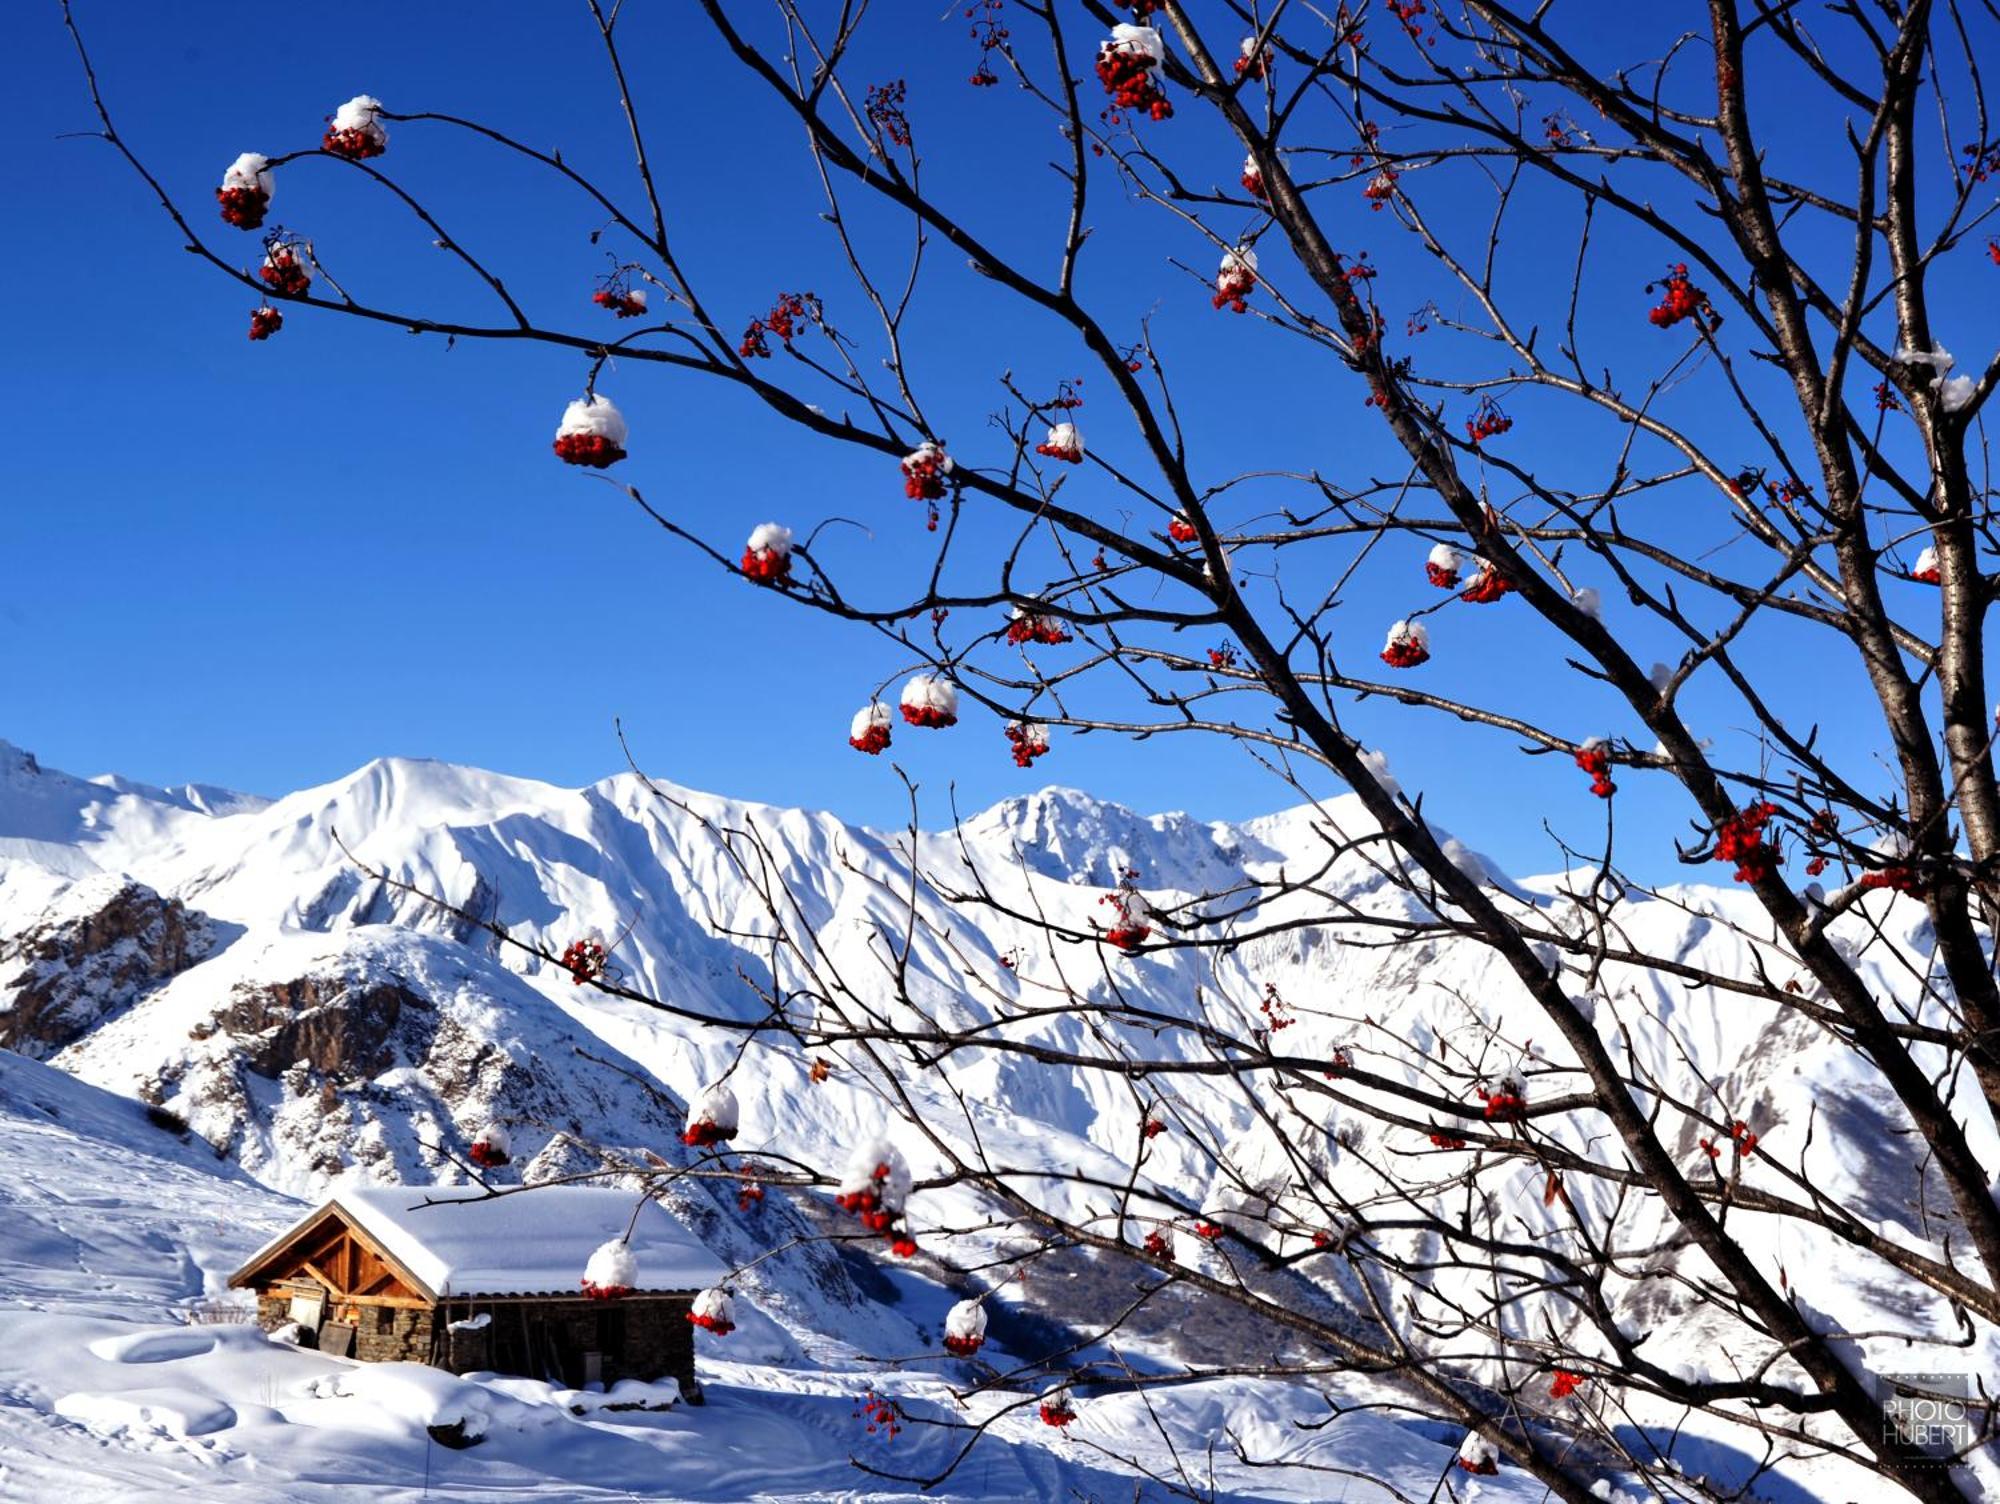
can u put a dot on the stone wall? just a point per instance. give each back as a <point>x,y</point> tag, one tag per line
<point>382,1334</point>
<point>645,1337</point>
<point>392,1334</point>
<point>659,1343</point>
<point>637,1338</point>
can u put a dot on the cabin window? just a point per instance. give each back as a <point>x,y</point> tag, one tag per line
<point>385,1318</point>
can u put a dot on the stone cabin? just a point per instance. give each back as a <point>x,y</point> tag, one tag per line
<point>465,1280</point>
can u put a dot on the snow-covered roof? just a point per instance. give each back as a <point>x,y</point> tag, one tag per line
<point>460,1241</point>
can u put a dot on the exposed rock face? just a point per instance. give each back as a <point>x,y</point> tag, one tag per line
<point>315,1068</point>
<point>97,949</point>
<point>337,1028</point>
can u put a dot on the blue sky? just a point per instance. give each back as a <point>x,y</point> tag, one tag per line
<point>261,565</point>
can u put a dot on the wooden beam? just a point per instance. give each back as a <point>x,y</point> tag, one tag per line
<point>289,1244</point>
<point>360,1235</point>
<point>328,1230</point>
<point>321,1275</point>
<point>400,1302</point>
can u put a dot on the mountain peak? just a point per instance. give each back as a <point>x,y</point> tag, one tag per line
<point>17,761</point>
<point>1068,834</point>
<point>49,808</point>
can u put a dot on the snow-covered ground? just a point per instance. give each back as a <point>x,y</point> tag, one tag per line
<point>117,1383</point>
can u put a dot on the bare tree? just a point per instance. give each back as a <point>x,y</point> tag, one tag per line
<point>1794,466</point>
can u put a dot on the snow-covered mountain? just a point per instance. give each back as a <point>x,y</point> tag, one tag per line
<point>226,958</point>
<point>230,960</point>
<point>269,974</point>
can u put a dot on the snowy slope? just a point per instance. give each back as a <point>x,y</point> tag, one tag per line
<point>78,825</point>
<point>75,1234</point>
<point>112,1229</point>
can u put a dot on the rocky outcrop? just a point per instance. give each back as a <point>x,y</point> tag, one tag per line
<point>336,1027</point>
<point>103,944</point>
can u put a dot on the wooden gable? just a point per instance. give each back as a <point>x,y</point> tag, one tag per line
<point>331,1252</point>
